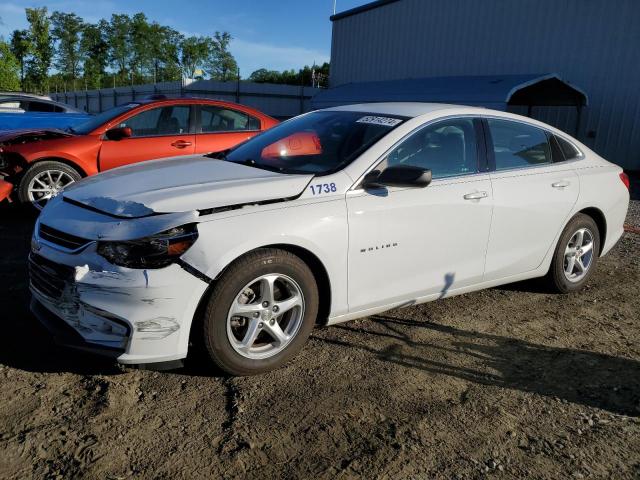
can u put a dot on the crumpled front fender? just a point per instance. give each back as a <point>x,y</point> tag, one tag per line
<point>5,190</point>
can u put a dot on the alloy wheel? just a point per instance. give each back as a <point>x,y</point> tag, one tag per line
<point>265,316</point>
<point>46,185</point>
<point>578,255</point>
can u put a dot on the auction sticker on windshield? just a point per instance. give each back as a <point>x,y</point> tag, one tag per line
<point>373,120</point>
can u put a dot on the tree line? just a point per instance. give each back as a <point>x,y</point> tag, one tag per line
<point>60,51</point>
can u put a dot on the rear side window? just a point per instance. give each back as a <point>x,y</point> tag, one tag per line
<point>517,145</point>
<point>172,120</point>
<point>216,119</point>
<point>568,151</point>
<point>447,148</point>
<point>40,107</point>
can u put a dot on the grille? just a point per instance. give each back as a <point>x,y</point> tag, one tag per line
<point>66,240</point>
<point>48,277</point>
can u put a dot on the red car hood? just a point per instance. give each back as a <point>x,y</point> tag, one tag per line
<point>7,136</point>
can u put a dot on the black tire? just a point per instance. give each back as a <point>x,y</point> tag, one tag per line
<point>260,262</point>
<point>556,278</point>
<point>37,169</point>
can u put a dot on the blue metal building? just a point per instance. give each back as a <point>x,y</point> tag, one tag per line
<point>593,45</point>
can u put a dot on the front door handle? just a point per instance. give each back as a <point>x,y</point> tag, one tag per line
<point>476,195</point>
<point>561,184</point>
<point>181,144</point>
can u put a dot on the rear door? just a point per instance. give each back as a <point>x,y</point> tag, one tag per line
<point>158,132</point>
<point>219,128</point>
<point>533,196</point>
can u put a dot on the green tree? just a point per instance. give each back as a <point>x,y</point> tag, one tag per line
<point>95,53</point>
<point>222,65</point>
<point>21,47</point>
<point>194,52</point>
<point>263,75</point>
<point>315,75</point>
<point>42,47</point>
<point>163,51</point>
<point>9,68</point>
<point>67,29</point>
<point>120,53</point>
<point>139,45</point>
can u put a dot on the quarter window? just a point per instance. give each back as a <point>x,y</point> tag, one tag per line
<point>172,120</point>
<point>569,151</point>
<point>447,148</point>
<point>217,119</point>
<point>517,145</point>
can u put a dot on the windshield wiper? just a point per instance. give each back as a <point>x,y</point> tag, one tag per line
<point>70,130</point>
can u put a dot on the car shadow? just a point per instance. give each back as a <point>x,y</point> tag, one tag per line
<point>577,376</point>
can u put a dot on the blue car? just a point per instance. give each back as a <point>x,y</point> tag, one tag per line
<point>26,112</point>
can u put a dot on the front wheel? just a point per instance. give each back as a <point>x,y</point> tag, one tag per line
<point>575,256</point>
<point>260,313</point>
<point>45,180</point>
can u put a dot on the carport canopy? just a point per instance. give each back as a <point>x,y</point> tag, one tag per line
<point>491,91</point>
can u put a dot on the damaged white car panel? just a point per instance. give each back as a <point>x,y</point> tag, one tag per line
<point>136,315</point>
<point>126,258</point>
<point>181,184</point>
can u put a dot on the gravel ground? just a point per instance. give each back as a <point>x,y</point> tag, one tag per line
<point>510,382</point>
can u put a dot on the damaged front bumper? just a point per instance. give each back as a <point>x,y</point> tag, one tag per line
<point>5,190</point>
<point>136,316</point>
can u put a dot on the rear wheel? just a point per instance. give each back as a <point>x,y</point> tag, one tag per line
<point>260,313</point>
<point>575,256</point>
<point>44,180</point>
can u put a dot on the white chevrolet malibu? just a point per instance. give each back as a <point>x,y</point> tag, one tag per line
<point>334,215</point>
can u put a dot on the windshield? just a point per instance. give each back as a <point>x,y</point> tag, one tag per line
<point>90,125</point>
<point>317,143</point>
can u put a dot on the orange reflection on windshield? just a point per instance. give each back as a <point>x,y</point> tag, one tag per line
<point>295,145</point>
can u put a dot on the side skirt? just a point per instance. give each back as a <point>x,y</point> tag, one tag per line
<point>539,272</point>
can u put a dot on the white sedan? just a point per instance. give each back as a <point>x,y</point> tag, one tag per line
<point>334,215</point>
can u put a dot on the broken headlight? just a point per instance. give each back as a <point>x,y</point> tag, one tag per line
<point>156,251</point>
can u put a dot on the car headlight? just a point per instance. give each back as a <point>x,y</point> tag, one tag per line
<point>156,251</point>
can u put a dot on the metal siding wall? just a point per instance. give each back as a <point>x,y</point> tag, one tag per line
<point>591,43</point>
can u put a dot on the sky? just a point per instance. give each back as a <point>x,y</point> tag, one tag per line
<point>272,34</point>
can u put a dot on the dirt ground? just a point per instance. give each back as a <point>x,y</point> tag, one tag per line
<point>510,382</point>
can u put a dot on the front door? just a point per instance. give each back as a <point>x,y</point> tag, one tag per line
<point>405,243</point>
<point>156,133</point>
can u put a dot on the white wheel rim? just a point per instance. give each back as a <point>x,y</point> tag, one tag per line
<point>578,255</point>
<point>46,185</point>
<point>265,316</point>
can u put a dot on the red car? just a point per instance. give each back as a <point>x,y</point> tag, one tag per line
<point>36,164</point>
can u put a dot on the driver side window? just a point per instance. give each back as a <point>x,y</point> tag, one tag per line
<point>447,148</point>
<point>171,120</point>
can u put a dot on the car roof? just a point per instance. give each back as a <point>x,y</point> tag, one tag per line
<point>213,101</point>
<point>24,98</point>
<point>406,109</point>
<point>24,95</point>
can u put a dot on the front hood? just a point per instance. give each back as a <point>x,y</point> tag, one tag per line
<point>11,137</point>
<point>181,184</point>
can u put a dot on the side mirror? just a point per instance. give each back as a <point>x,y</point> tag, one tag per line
<point>118,133</point>
<point>398,176</point>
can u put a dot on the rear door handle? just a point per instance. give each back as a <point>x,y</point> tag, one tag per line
<point>476,195</point>
<point>181,144</point>
<point>561,184</point>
